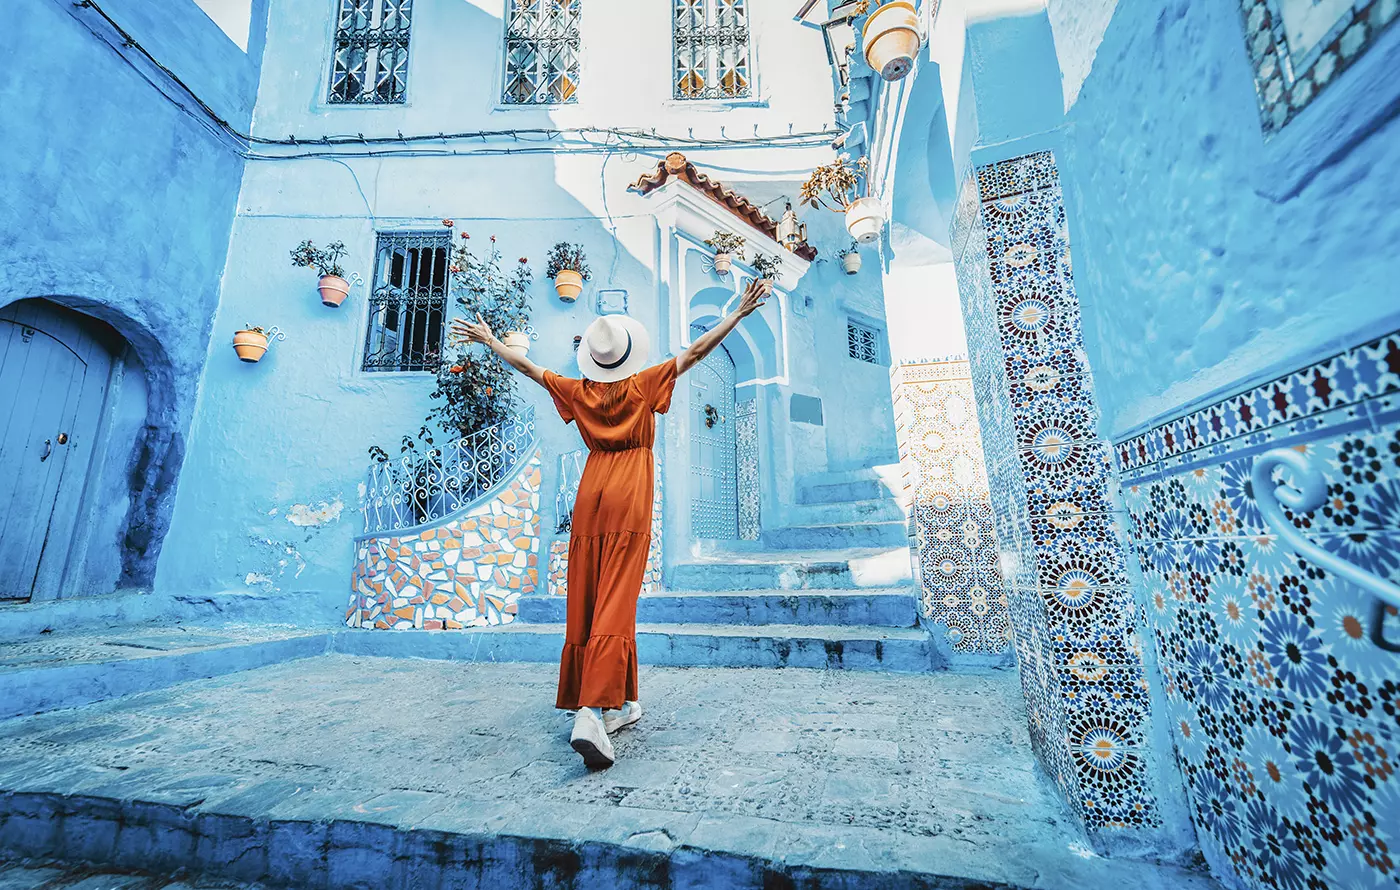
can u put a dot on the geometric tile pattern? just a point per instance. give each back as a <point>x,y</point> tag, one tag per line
<point>1074,626</point>
<point>1330,392</point>
<point>1298,48</point>
<point>746,458</point>
<point>1284,714</point>
<point>558,569</point>
<point>467,571</point>
<point>945,477</point>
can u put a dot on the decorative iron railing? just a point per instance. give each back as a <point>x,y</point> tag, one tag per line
<point>571,464</point>
<point>415,490</point>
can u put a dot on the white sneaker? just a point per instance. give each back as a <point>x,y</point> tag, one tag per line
<point>591,740</point>
<point>630,713</point>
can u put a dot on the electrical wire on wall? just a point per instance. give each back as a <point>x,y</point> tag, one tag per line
<point>330,146</point>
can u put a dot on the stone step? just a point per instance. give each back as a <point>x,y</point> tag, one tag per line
<point>887,607</point>
<point>841,512</point>
<point>867,483</point>
<point>840,492</point>
<point>833,537</point>
<point>860,648</point>
<point>740,568</point>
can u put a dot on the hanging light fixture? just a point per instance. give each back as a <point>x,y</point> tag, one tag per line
<point>791,232</point>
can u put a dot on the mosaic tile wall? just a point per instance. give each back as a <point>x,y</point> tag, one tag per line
<point>1074,627</point>
<point>746,459</point>
<point>945,481</point>
<point>558,570</point>
<point>467,571</point>
<point>1300,47</point>
<point>1285,714</point>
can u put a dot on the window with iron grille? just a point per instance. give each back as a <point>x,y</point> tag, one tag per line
<point>542,50</point>
<point>863,342</point>
<point>711,43</point>
<point>369,65</point>
<point>408,302</point>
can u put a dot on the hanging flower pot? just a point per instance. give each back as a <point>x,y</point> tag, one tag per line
<point>333,287</point>
<point>891,39</point>
<point>864,219</point>
<point>568,269</point>
<point>722,262</point>
<point>850,261</point>
<point>334,290</point>
<point>568,284</point>
<point>517,340</point>
<point>250,344</point>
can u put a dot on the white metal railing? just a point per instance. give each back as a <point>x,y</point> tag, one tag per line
<point>414,490</point>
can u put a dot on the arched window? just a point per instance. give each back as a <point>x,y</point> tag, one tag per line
<point>369,63</point>
<point>542,50</point>
<point>711,42</point>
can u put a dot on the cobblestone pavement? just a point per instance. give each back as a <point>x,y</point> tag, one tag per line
<point>779,762</point>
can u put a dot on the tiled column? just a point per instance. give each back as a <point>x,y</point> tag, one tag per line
<point>953,539</point>
<point>1072,613</point>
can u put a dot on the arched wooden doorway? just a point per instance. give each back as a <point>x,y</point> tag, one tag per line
<point>55,368</point>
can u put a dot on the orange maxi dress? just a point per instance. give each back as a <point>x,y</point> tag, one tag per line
<point>611,530</point>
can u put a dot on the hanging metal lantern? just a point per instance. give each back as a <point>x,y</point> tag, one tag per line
<point>791,232</point>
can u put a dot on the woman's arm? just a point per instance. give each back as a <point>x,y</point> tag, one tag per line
<point>754,296</point>
<point>464,331</point>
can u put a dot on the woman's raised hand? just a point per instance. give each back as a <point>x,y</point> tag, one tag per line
<point>464,331</point>
<point>755,295</point>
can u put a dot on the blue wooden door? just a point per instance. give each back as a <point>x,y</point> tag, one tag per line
<point>53,376</point>
<point>714,502</point>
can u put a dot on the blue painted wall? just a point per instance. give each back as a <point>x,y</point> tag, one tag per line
<point>117,202</point>
<point>269,501</point>
<point>1192,277</point>
<point>1199,283</point>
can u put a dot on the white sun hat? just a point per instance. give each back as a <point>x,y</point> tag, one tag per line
<point>614,347</point>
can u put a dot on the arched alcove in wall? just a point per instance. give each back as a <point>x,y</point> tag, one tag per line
<point>755,346</point>
<point>89,443</point>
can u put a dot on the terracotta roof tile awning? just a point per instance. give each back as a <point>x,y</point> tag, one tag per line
<point>675,164</point>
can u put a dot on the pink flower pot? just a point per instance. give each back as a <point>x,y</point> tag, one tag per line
<point>334,290</point>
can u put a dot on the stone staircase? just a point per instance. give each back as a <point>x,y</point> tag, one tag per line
<point>831,590</point>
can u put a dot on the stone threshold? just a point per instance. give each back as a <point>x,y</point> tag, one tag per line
<point>279,834</point>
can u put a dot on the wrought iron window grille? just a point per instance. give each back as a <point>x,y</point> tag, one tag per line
<point>413,490</point>
<point>710,48</point>
<point>408,302</point>
<point>542,52</point>
<point>862,342</point>
<point>369,59</point>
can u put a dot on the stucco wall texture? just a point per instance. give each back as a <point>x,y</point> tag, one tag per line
<point>1191,281</point>
<point>118,203</point>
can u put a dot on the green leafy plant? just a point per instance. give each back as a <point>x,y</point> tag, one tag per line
<point>255,329</point>
<point>836,186</point>
<point>725,242</point>
<point>842,254</point>
<point>326,259</point>
<point>766,266</point>
<point>568,256</point>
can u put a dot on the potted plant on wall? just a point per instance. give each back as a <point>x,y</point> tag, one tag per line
<point>850,258</point>
<point>333,286</point>
<point>890,39</point>
<point>568,269</point>
<point>250,343</point>
<point>725,245</point>
<point>840,187</point>
<point>765,266</point>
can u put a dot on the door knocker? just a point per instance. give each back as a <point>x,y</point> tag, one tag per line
<point>712,417</point>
